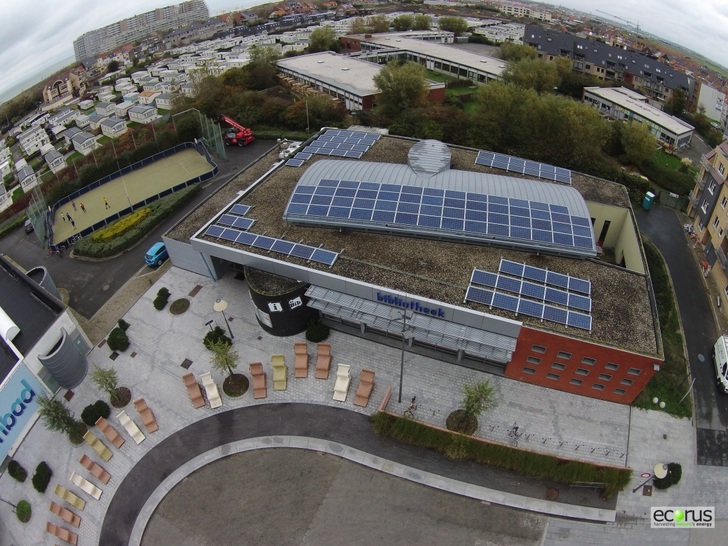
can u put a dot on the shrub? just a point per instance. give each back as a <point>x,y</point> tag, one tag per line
<point>316,331</point>
<point>123,324</point>
<point>42,477</point>
<point>179,306</point>
<point>16,471</point>
<point>674,473</point>
<point>92,412</point>
<point>121,226</point>
<point>23,511</point>
<point>163,292</point>
<point>161,300</point>
<point>215,336</point>
<point>118,341</point>
<point>75,435</point>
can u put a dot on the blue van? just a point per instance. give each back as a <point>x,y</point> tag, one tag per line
<point>156,255</point>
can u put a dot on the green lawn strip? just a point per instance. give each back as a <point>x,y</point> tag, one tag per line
<point>459,447</point>
<point>671,383</point>
<point>667,160</point>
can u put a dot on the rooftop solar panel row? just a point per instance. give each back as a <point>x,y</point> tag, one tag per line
<point>567,282</point>
<point>336,143</point>
<point>433,209</point>
<point>523,166</point>
<point>262,242</point>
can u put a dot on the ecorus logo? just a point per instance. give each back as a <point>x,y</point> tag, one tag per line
<point>691,517</point>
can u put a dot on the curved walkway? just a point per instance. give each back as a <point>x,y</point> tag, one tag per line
<point>332,430</point>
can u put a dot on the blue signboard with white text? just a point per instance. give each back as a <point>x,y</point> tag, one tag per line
<point>18,403</point>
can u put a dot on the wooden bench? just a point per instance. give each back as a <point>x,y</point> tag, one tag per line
<point>97,445</point>
<point>71,498</point>
<point>193,390</point>
<point>110,432</point>
<point>385,400</point>
<point>260,387</point>
<point>300,364</point>
<point>60,532</point>
<point>280,372</point>
<point>323,361</point>
<point>86,486</point>
<point>65,514</point>
<point>213,393</point>
<point>95,469</point>
<point>146,414</point>
<point>131,427</point>
<point>365,388</point>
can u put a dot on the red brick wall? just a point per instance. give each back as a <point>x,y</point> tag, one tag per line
<point>553,367</point>
<point>437,96</point>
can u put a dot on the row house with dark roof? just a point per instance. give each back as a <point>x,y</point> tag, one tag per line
<point>652,78</point>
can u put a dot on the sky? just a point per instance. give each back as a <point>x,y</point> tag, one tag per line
<point>36,36</point>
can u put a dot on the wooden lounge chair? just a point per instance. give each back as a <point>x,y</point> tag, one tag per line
<point>146,414</point>
<point>71,498</point>
<point>97,445</point>
<point>365,388</point>
<point>343,378</point>
<point>300,364</point>
<point>323,361</point>
<point>131,427</point>
<point>110,432</point>
<point>95,469</point>
<point>86,486</point>
<point>213,393</point>
<point>260,389</point>
<point>65,514</point>
<point>193,390</point>
<point>280,372</point>
<point>60,532</point>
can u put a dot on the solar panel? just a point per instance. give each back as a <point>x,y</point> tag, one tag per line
<point>214,231</point>
<point>484,278</point>
<point>264,243</point>
<point>554,314</point>
<point>324,256</point>
<point>246,238</point>
<point>505,301</point>
<point>294,162</point>
<point>240,209</point>
<point>579,285</point>
<point>230,235</point>
<point>579,320</point>
<point>243,223</point>
<point>530,308</point>
<point>302,251</point>
<point>523,166</point>
<point>479,295</point>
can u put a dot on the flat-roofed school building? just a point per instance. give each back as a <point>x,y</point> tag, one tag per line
<point>499,264</point>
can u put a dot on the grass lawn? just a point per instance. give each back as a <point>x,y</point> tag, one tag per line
<point>470,106</point>
<point>438,76</point>
<point>457,91</point>
<point>667,160</point>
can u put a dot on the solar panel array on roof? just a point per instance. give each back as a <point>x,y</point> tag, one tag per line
<point>232,225</point>
<point>262,242</point>
<point>445,212</point>
<point>523,166</point>
<point>337,143</point>
<point>511,289</point>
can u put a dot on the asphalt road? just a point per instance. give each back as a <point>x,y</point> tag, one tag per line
<point>663,227</point>
<point>90,284</point>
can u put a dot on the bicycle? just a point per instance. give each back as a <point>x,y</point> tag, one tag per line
<point>53,249</point>
<point>410,411</point>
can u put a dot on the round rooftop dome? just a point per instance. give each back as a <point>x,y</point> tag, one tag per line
<point>429,157</point>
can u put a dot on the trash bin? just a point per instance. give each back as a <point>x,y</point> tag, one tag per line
<point>648,200</point>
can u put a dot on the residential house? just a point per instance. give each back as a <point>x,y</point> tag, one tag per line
<point>143,114</point>
<point>148,97</point>
<point>94,121</point>
<point>69,133</point>
<point>84,143</point>
<point>122,109</point>
<point>113,127</point>
<point>187,89</point>
<point>33,139</point>
<point>709,206</point>
<point>132,96</point>
<point>105,109</point>
<point>55,160</point>
<point>27,178</point>
<point>164,101</point>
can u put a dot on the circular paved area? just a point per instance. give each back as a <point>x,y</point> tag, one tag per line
<point>307,420</point>
<point>292,496</point>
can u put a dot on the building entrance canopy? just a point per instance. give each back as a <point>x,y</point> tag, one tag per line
<point>429,330</point>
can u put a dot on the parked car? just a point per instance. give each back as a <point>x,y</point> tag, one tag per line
<point>156,255</point>
<point>28,226</point>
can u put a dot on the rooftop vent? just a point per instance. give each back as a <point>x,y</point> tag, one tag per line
<point>429,157</point>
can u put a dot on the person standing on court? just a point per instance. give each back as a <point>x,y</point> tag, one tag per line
<point>82,207</point>
<point>73,204</point>
<point>63,217</point>
<point>106,203</point>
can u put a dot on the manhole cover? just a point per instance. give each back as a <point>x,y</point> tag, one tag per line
<point>701,358</point>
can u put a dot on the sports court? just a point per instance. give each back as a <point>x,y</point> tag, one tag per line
<point>128,190</point>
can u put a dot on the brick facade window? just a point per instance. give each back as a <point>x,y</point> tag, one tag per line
<point>563,355</point>
<point>620,391</point>
<point>582,371</point>
<point>558,366</point>
<point>605,377</point>
<point>598,387</point>
<point>529,371</point>
<point>612,366</point>
<point>533,360</point>
<point>553,376</point>
<point>588,361</point>
<point>634,371</point>
<point>538,349</point>
<point>575,382</point>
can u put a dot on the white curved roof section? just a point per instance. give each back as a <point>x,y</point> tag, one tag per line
<point>556,196</point>
<point>8,328</point>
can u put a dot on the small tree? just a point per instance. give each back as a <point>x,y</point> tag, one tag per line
<point>224,357</point>
<point>478,398</point>
<point>42,477</point>
<point>106,379</point>
<point>55,414</point>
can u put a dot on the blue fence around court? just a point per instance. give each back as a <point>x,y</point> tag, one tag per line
<point>198,146</point>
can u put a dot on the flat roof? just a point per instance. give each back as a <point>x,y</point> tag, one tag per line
<point>631,100</point>
<point>341,71</point>
<point>446,52</point>
<point>29,307</point>
<point>441,270</point>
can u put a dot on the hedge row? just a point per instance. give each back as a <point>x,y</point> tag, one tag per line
<point>459,447</point>
<point>161,210</point>
<point>121,226</point>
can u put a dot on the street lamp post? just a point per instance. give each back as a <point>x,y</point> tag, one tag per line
<point>209,323</point>
<point>403,316</point>
<point>220,306</point>
<point>660,471</point>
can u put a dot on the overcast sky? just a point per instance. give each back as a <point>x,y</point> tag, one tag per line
<point>36,36</point>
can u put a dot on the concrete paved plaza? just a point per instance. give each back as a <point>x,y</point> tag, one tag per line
<point>551,421</point>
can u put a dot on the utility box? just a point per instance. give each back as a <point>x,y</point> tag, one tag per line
<point>648,200</point>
